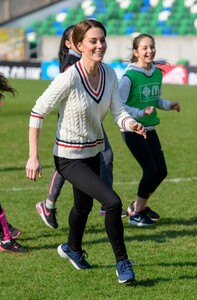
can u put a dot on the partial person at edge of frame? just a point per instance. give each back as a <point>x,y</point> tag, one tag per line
<point>140,90</point>
<point>8,233</point>
<point>84,93</point>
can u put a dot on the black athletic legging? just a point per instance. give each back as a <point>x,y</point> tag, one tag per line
<point>87,185</point>
<point>149,154</point>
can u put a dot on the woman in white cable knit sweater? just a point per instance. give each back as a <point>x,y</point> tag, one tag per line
<point>81,110</point>
<point>84,93</point>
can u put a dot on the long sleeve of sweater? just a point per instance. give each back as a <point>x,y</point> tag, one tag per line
<point>52,96</point>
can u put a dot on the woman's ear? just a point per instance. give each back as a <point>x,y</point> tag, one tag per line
<point>80,47</point>
<point>67,44</point>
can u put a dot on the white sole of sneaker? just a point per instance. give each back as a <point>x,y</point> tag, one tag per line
<point>124,281</point>
<point>65,256</point>
<point>139,224</point>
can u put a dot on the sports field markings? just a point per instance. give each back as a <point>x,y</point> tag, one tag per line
<point>172,180</point>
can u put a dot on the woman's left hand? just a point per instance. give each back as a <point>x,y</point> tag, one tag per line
<point>138,128</point>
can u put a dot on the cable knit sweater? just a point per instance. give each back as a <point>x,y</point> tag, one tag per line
<point>81,110</point>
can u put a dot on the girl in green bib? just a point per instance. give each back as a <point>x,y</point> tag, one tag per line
<point>140,89</point>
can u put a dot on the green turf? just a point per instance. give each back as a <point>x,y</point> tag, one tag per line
<point>166,255</point>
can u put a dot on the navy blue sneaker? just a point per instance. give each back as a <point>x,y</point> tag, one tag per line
<point>124,271</point>
<point>77,259</point>
<point>141,219</point>
<point>152,214</point>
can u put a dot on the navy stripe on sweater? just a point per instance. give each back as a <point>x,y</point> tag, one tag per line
<point>95,95</point>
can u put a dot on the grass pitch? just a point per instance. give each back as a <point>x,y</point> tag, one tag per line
<point>166,255</point>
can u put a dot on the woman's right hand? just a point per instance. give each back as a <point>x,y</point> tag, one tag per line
<point>33,168</point>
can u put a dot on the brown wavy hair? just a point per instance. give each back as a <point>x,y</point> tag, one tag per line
<point>82,27</point>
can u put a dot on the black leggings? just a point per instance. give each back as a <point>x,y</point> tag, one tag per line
<point>84,176</point>
<point>149,155</point>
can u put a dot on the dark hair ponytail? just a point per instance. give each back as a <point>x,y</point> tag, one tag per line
<point>5,86</point>
<point>63,50</point>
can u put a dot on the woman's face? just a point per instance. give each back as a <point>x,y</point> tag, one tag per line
<point>94,45</point>
<point>145,52</point>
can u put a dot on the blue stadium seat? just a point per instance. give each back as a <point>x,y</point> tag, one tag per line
<point>139,16</point>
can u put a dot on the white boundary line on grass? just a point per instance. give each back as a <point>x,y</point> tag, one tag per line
<point>172,180</point>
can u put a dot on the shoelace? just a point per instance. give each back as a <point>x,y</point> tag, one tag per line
<point>126,266</point>
<point>84,254</point>
<point>133,263</point>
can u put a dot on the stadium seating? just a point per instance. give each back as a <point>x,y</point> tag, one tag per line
<point>123,17</point>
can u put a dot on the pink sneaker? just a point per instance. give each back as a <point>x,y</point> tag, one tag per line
<point>47,215</point>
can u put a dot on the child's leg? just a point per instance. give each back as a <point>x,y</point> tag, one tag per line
<point>55,186</point>
<point>4,224</point>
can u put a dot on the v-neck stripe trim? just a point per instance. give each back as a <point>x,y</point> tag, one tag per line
<point>95,95</point>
